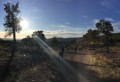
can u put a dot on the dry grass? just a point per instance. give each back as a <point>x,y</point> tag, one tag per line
<point>29,66</point>
<point>4,54</point>
<point>106,65</point>
<point>33,74</point>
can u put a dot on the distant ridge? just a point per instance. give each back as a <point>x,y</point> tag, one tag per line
<point>64,40</point>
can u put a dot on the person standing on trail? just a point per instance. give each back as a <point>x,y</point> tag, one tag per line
<point>61,51</point>
<point>80,48</point>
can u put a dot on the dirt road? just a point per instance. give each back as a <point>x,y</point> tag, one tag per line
<point>80,62</point>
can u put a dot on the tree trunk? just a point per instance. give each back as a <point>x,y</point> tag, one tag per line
<point>13,47</point>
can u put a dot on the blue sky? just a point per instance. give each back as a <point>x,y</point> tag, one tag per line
<point>63,18</point>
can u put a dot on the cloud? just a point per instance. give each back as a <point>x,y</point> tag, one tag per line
<point>63,26</point>
<point>116,26</point>
<point>71,34</point>
<point>61,33</point>
<point>62,30</point>
<point>84,16</point>
<point>110,19</point>
<point>106,3</point>
<point>95,21</point>
<point>58,30</point>
<point>18,35</point>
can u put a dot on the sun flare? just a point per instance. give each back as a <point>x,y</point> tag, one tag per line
<point>24,23</point>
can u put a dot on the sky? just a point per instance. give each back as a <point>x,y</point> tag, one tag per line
<point>62,18</point>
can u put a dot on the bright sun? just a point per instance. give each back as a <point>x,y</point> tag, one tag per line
<point>24,23</point>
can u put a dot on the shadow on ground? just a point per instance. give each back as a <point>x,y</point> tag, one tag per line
<point>89,74</point>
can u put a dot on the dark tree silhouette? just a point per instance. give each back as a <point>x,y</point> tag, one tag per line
<point>24,41</point>
<point>105,27</point>
<point>12,25</point>
<point>39,34</point>
<point>95,37</point>
<point>91,36</point>
<point>27,41</point>
<point>54,41</point>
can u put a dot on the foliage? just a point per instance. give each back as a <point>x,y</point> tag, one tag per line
<point>11,26</point>
<point>106,28</point>
<point>39,34</point>
<point>28,41</point>
<point>91,36</point>
<point>11,19</point>
<point>54,41</point>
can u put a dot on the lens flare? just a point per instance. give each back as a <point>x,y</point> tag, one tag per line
<point>66,69</point>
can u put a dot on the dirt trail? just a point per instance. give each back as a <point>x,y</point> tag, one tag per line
<point>77,57</point>
<point>80,62</point>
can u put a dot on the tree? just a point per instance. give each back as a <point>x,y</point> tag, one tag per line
<point>39,34</point>
<point>12,25</point>
<point>106,28</point>
<point>95,37</point>
<point>91,36</point>
<point>55,41</point>
<point>28,41</point>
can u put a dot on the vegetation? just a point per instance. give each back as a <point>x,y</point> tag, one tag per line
<point>12,25</point>
<point>54,42</point>
<point>105,27</point>
<point>39,34</point>
<point>106,65</point>
<point>29,41</point>
<point>91,36</point>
